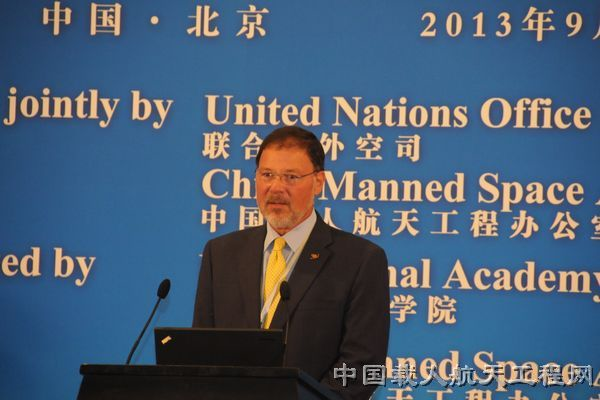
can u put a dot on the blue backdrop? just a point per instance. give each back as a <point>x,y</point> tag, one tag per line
<point>397,91</point>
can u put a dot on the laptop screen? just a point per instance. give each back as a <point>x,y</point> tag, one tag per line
<point>212,346</point>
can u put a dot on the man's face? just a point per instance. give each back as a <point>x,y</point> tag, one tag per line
<point>287,205</point>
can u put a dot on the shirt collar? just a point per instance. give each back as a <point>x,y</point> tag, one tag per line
<point>294,238</point>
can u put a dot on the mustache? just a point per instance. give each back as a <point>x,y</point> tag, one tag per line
<point>277,199</point>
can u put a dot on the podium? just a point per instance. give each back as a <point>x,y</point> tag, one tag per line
<point>178,382</point>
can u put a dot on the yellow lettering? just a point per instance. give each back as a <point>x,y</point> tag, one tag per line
<point>457,275</point>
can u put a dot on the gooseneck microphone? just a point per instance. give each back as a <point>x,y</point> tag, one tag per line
<point>162,292</point>
<point>284,294</point>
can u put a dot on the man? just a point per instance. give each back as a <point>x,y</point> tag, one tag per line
<point>339,297</point>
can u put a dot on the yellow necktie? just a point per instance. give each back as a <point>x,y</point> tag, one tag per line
<point>275,268</point>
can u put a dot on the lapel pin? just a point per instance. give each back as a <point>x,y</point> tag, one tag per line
<point>314,256</point>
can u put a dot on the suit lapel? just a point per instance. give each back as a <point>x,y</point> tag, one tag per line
<point>309,264</point>
<point>250,275</point>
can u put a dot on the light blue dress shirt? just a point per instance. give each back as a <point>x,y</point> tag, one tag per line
<point>294,243</point>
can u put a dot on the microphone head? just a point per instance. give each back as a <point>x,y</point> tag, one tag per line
<point>163,288</point>
<point>284,291</point>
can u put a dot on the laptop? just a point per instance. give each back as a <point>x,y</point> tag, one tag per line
<point>212,346</point>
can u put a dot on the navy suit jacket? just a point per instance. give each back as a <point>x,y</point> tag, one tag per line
<point>338,306</point>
